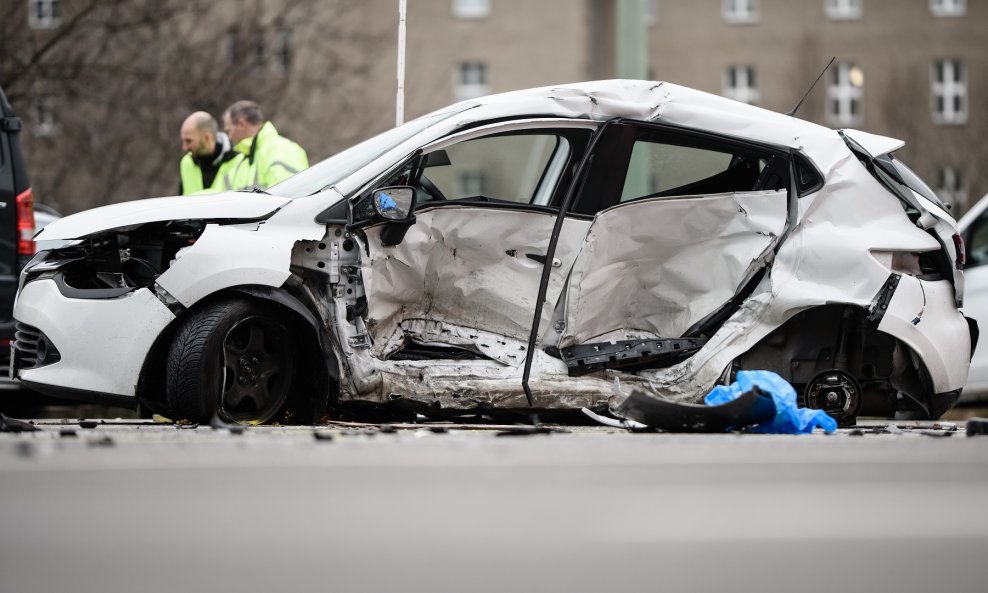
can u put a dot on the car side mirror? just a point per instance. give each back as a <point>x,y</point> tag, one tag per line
<point>394,204</point>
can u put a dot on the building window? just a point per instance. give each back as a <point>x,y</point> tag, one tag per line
<point>43,14</point>
<point>840,10</point>
<point>257,49</point>
<point>741,11</point>
<point>471,9</point>
<point>43,116</point>
<point>951,187</point>
<point>949,92</point>
<point>472,183</point>
<point>948,7</point>
<point>740,85</point>
<point>844,95</point>
<point>472,81</point>
<point>651,12</point>
<point>282,50</point>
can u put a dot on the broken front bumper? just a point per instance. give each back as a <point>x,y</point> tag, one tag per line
<point>101,343</point>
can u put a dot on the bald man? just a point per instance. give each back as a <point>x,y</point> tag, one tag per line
<point>209,158</point>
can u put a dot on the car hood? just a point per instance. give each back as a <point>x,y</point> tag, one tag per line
<point>225,206</point>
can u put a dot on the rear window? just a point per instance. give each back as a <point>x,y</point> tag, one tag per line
<point>913,182</point>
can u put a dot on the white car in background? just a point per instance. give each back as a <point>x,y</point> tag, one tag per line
<point>974,228</point>
<point>524,252</point>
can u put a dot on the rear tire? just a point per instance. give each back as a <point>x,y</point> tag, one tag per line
<point>235,359</point>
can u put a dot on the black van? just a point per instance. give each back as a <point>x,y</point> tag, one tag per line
<point>16,223</point>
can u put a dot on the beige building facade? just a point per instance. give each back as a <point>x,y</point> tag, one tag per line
<point>325,72</point>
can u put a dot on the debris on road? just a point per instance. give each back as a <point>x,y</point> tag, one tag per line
<point>8,424</point>
<point>758,401</point>
<point>977,427</point>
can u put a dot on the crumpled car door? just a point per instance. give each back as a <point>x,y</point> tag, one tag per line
<point>467,272</point>
<point>652,268</point>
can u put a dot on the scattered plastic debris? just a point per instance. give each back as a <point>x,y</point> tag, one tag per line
<point>322,436</point>
<point>8,424</point>
<point>789,417</point>
<point>88,424</point>
<point>615,422</point>
<point>746,409</point>
<point>977,427</point>
<point>104,441</point>
<point>523,430</point>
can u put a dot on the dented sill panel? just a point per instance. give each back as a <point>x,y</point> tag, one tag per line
<point>415,274</point>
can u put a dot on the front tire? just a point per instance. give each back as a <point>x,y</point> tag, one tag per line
<point>235,359</point>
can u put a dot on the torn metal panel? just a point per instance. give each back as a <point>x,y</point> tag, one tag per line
<point>467,266</point>
<point>507,351</point>
<point>473,388</point>
<point>657,266</point>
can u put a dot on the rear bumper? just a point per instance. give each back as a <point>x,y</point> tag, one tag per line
<point>923,315</point>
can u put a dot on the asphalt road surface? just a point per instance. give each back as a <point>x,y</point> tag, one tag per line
<point>140,507</point>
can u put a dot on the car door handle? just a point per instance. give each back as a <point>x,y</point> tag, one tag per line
<point>541,259</point>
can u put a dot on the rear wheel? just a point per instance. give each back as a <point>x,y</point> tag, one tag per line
<point>235,359</point>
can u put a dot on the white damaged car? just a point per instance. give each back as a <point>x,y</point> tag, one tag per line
<point>522,252</point>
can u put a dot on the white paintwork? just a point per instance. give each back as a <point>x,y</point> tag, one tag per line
<point>652,268</point>
<point>875,145</point>
<point>228,205</point>
<point>420,290</point>
<point>976,307</point>
<point>922,315</point>
<point>103,342</point>
<point>233,255</point>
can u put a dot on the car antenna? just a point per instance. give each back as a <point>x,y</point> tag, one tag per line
<point>794,109</point>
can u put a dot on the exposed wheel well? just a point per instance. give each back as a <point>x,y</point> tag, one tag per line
<point>842,337</point>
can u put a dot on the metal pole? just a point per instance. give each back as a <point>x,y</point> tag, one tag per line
<point>400,102</point>
<point>632,62</point>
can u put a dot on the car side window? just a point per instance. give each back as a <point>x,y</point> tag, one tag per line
<point>976,242</point>
<point>663,168</point>
<point>521,168</point>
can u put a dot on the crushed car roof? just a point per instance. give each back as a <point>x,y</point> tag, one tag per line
<point>650,101</point>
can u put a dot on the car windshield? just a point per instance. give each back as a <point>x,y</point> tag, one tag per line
<point>331,171</point>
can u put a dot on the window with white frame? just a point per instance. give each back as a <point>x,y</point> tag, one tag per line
<point>741,11</point>
<point>948,7</point>
<point>951,187</point>
<point>651,13</point>
<point>43,116</point>
<point>948,89</point>
<point>43,14</point>
<point>471,9</point>
<point>472,183</point>
<point>841,10</point>
<point>844,93</point>
<point>740,85</point>
<point>471,81</point>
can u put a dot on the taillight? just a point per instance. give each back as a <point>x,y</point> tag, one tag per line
<point>25,223</point>
<point>961,252</point>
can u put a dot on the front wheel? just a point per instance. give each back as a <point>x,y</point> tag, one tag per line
<point>235,359</point>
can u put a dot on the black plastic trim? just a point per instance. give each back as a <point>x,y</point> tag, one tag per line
<point>96,397</point>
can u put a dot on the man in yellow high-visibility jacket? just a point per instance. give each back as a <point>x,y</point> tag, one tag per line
<point>268,156</point>
<point>209,161</point>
